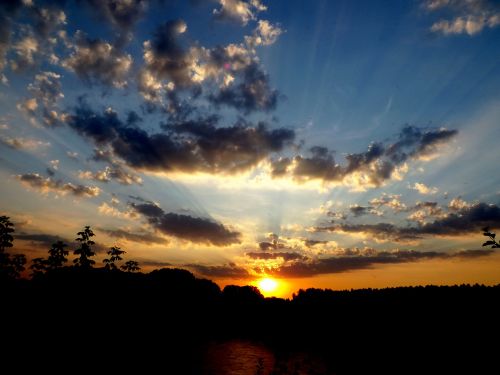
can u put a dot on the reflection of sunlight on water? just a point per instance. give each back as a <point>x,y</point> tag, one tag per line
<point>240,357</point>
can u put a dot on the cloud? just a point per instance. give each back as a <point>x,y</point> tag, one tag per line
<point>46,185</point>
<point>358,210</point>
<point>122,14</point>
<point>197,145</point>
<point>469,219</point>
<point>96,61</point>
<point>240,11</point>
<point>457,204</point>
<point>252,93</point>
<point>165,57</point>
<point>424,189</point>
<point>286,256</point>
<point>338,264</point>
<point>265,34</point>
<point>464,16</point>
<point>22,143</point>
<point>28,106</point>
<point>8,9</point>
<point>424,211</point>
<point>112,210</point>
<point>230,270</point>
<point>25,49</point>
<point>45,240</point>
<point>371,168</point>
<point>46,20</point>
<point>72,155</point>
<point>392,201</point>
<point>194,229</point>
<point>108,174</point>
<point>228,75</point>
<point>147,238</point>
<point>46,88</point>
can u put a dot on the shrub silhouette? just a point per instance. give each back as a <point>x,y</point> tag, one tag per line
<point>38,266</point>
<point>131,266</point>
<point>85,250</point>
<point>114,255</point>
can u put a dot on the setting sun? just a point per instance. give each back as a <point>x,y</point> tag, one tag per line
<point>268,285</point>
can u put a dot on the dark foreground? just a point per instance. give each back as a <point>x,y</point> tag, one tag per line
<point>169,322</point>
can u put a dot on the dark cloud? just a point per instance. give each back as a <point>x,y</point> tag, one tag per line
<point>122,14</point>
<point>414,142</point>
<point>190,146</point>
<point>252,93</point>
<point>358,210</point>
<point>194,229</point>
<point>469,219</point>
<point>166,58</point>
<point>42,239</point>
<point>153,263</point>
<point>45,185</point>
<point>230,270</point>
<point>47,19</point>
<point>147,238</point>
<point>238,147</point>
<point>312,267</point>
<point>8,10</point>
<point>96,61</point>
<point>376,165</point>
<point>286,256</point>
<point>474,253</point>
<point>320,165</point>
<point>311,243</point>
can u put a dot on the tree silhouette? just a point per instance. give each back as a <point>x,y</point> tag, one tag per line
<point>10,266</point>
<point>85,250</point>
<point>17,263</point>
<point>131,266</point>
<point>38,266</point>
<point>6,228</point>
<point>57,255</point>
<point>114,256</point>
<point>491,242</point>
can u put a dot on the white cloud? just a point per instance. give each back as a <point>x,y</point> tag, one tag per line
<point>424,189</point>
<point>239,10</point>
<point>468,16</point>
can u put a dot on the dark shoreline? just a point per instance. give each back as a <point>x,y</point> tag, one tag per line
<point>171,315</point>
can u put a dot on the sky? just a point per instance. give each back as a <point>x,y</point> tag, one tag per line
<point>328,144</point>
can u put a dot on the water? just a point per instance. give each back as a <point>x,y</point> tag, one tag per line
<point>240,357</point>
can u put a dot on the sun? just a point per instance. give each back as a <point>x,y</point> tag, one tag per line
<point>268,285</point>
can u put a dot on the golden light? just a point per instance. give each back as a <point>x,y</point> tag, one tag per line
<point>268,285</point>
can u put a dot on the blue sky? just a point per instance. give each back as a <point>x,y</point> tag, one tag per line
<point>327,143</point>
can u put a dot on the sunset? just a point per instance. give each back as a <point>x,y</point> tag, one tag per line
<point>251,150</point>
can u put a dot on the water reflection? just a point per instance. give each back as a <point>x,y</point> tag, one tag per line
<point>240,357</point>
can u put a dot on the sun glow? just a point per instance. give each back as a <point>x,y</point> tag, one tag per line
<point>268,286</point>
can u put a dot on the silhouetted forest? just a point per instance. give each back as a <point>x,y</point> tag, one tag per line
<point>115,317</point>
